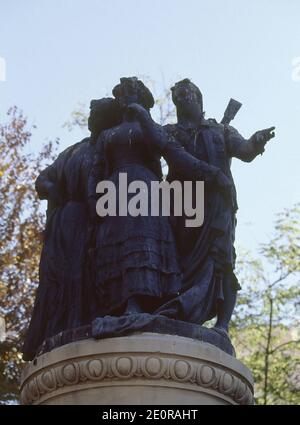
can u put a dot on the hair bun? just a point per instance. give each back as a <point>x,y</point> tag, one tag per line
<point>145,97</point>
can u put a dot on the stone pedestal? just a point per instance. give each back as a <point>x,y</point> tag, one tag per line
<point>144,368</point>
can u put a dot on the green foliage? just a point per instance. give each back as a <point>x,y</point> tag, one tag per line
<point>265,328</point>
<point>21,228</point>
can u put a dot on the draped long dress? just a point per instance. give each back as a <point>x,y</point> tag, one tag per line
<point>64,298</point>
<point>207,253</point>
<point>135,256</point>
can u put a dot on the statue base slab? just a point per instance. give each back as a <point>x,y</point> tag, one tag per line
<point>140,369</point>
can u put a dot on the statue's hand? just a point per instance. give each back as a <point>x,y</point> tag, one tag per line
<point>155,134</point>
<point>222,182</point>
<point>261,137</point>
<point>138,111</point>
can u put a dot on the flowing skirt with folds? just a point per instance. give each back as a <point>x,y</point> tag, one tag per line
<point>207,263</point>
<point>135,256</point>
<point>64,298</point>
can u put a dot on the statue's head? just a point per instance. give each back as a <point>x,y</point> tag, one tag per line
<point>187,98</point>
<point>104,113</point>
<point>132,90</point>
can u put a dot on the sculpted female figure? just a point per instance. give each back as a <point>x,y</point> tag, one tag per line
<point>207,254</point>
<point>136,258</point>
<point>65,297</point>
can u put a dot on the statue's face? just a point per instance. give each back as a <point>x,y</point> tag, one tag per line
<point>129,95</point>
<point>188,101</point>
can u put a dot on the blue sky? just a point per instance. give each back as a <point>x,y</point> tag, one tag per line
<point>62,52</point>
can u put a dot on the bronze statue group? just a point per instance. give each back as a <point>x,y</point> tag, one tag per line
<point>128,267</point>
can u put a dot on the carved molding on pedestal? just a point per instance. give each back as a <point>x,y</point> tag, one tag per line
<point>136,368</point>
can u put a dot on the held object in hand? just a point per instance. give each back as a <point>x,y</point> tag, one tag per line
<point>230,112</point>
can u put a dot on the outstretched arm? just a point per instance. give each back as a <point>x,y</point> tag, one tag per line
<point>183,165</point>
<point>247,150</point>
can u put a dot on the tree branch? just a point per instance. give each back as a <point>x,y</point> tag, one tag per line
<point>284,344</point>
